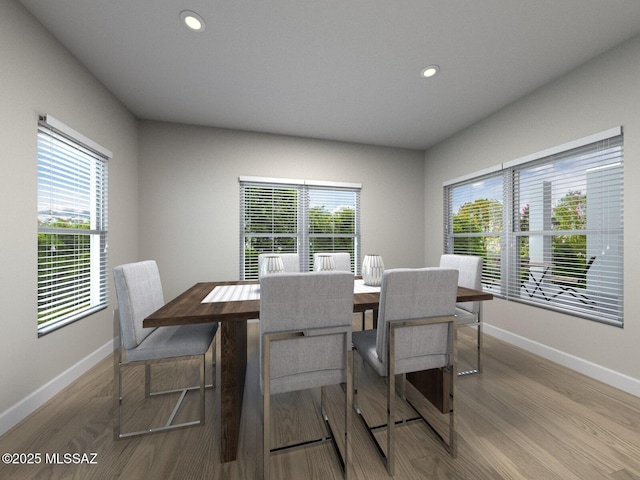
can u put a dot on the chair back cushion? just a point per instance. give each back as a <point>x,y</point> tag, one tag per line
<point>139,294</point>
<point>313,303</point>
<point>469,275</point>
<point>411,293</point>
<point>290,261</point>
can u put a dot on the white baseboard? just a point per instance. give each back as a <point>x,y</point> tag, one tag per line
<point>13,415</point>
<point>605,375</point>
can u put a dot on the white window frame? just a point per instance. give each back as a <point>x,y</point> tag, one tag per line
<point>303,240</point>
<point>535,265</point>
<point>72,225</point>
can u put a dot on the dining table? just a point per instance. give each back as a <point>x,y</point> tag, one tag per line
<point>232,304</point>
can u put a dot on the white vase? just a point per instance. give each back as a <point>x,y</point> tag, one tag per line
<point>271,264</point>
<point>324,263</point>
<point>372,269</point>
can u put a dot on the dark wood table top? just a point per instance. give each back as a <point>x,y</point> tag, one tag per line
<point>187,308</point>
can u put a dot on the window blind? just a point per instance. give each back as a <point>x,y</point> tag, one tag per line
<point>474,223</point>
<point>554,237</point>
<point>333,221</point>
<point>297,216</point>
<point>568,231</point>
<point>72,228</point>
<point>269,222</point>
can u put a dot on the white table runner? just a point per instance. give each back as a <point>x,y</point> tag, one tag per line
<point>236,293</point>
<point>233,293</point>
<point>360,287</point>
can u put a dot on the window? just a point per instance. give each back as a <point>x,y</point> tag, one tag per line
<point>474,225</point>
<point>549,226</point>
<point>72,225</point>
<point>297,216</point>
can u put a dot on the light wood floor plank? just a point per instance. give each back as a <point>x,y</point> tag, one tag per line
<point>522,418</point>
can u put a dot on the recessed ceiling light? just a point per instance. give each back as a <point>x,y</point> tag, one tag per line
<point>430,71</point>
<point>192,21</point>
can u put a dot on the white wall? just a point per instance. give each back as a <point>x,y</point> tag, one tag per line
<point>599,95</point>
<point>38,76</point>
<point>189,195</point>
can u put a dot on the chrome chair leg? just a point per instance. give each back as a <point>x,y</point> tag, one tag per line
<point>117,380</point>
<point>479,346</point>
<point>391,397</point>
<point>347,414</point>
<point>266,411</point>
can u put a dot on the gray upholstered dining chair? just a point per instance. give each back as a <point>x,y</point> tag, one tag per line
<point>305,334</point>
<point>469,313</point>
<point>342,260</point>
<point>139,293</point>
<point>416,331</point>
<point>291,261</point>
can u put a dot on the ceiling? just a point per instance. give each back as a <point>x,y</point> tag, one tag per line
<point>346,70</point>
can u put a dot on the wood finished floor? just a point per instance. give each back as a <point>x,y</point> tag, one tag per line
<point>522,418</point>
